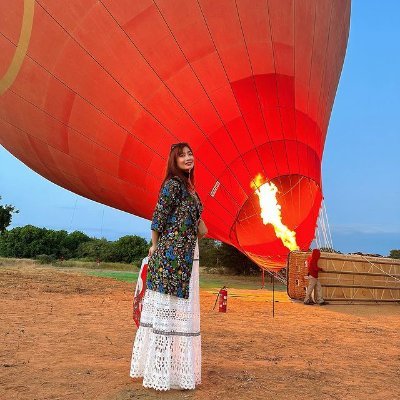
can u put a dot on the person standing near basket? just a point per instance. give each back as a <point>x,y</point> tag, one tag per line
<point>314,284</point>
<point>167,346</point>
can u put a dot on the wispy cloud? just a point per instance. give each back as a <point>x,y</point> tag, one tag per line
<point>365,229</point>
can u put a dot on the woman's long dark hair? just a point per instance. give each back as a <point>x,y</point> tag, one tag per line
<point>172,165</point>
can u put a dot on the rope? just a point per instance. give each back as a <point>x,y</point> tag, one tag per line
<point>327,222</point>
<point>317,238</point>
<point>380,269</point>
<point>326,241</point>
<point>323,236</point>
<point>355,290</point>
<point>277,276</point>
<point>102,220</point>
<point>73,214</point>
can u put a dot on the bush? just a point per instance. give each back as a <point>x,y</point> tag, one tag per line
<point>46,258</point>
<point>33,242</point>
<point>30,241</point>
<point>394,254</point>
<point>219,257</point>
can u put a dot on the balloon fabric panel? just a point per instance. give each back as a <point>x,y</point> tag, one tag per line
<point>93,93</point>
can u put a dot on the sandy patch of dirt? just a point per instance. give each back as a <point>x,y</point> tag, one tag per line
<point>65,335</point>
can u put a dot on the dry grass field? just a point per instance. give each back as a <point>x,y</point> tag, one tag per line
<point>68,335</point>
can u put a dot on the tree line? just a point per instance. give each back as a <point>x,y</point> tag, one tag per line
<point>46,244</point>
<point>31,242</point>
<point>34,242</point>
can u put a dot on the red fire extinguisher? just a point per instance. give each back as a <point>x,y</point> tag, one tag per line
<point>223,299</point>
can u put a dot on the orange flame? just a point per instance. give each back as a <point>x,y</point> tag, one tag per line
<point>271,211</point>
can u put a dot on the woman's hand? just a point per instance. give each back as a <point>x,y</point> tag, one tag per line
<point>201,229</point>
<point>154,240</point>
<point>152,250</point>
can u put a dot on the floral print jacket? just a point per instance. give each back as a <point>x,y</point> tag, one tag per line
<point>176,218</point>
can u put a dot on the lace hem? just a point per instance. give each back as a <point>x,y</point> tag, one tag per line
<point>166,362</point>
<point>167,347</point>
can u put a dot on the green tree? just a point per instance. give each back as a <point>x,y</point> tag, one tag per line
<point>131,248</point>
<point>235,261</point>
<point>329,250</point>
<point>394,254</point>
<point>215,254</point>
<point>208,253</point>
<point>6,214</point>
<point>23,242</point>
<point>30,241</point>
<point>97,249</point>
<point>71,243</point>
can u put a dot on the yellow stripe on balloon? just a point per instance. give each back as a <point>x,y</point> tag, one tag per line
<point>20,52</point>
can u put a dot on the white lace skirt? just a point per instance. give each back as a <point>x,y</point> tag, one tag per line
<point>167,346</point>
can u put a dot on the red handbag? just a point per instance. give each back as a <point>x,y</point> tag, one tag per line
<point>140,291</point>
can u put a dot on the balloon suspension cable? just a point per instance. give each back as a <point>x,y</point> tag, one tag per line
<point>281,277</point>
<point>323,235</point>
<point>327,224</point>
<point>380,269</point>
<point>73,214</point>
<point>102,222</point>
<point>263,279</point>
<point>273,295</point>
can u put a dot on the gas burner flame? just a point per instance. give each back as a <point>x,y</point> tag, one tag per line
<point>271,211</point>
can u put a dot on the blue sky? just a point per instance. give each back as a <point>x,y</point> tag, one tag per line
<point>361,160</point>
<point>361,164</point>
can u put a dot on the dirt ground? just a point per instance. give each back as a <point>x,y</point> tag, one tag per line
<point>66,335</point>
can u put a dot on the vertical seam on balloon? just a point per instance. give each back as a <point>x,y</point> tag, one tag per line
<point>309,75</point>
<point>21,49</point>
<point>206,93</point>
<point>177,100</point>
<point>308,99</point>
<point>340,50</point>
<point>276,83</point>
<point>323,79</point>
<point>309,81</point>
<point>294,103</point>
<point>327,99</point>
<point>256,89</point>
<point>237,102</point>
<point>319,104</point>
<point>68,126</point>
<point>244,120</point>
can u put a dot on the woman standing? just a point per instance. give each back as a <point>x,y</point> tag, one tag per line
<point>167,347</point>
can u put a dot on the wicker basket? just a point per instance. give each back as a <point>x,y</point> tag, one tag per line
<point>353,278</point>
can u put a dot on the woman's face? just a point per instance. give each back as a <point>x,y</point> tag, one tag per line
<point>185,159</point>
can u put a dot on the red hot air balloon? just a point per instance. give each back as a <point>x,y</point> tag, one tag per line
<point>93,93</point>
